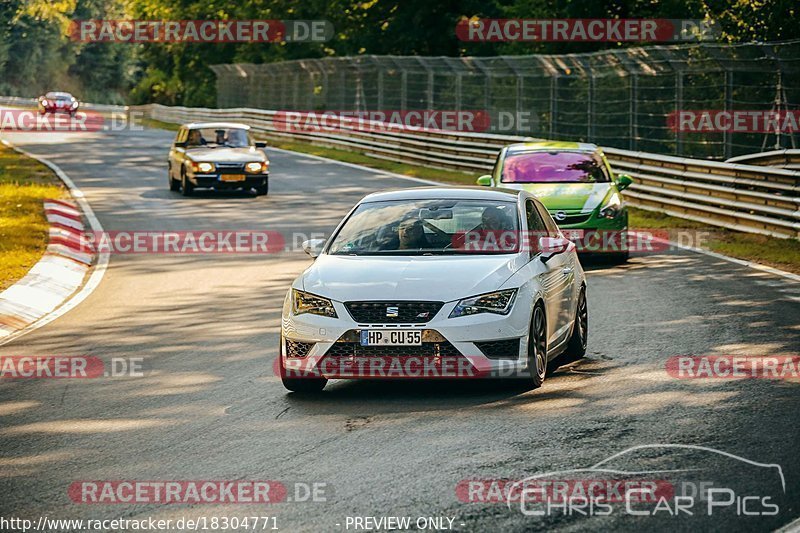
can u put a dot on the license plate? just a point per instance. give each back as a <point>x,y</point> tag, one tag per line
<point>399,337</point>
<point>231,177</point>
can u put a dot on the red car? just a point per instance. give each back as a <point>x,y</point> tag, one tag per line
<point>55,102</point>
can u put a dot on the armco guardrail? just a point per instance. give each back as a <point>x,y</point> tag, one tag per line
<point>776,158</point>
<point>750,198</point>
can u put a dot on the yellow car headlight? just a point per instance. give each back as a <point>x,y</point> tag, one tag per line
<point>203,167</point>
<point>255,166</point>
<point>305,302</point>
<point>612,207</point>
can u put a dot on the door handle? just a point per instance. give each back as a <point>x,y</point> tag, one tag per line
<point>566,270</point>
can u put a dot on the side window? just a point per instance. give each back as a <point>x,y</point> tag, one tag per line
<point>608,169</point>
<point>552,228</point>
<point>535,222</point>
<point>606,173</point>
<point>605,168</point>
<point>496,167</point>
<point>181,135</point>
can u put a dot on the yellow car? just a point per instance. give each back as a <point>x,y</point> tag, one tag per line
<point>217,155</point>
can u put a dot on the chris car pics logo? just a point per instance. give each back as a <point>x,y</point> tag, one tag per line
<point>676,480</point>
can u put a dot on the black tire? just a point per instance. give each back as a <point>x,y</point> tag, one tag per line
<point>576,348</point>
<point>307,385</point>
<point>537,348</point>
<point>262,190</point>
<point>174,185</point>
<point>621,257</point>
<point>186,186</point>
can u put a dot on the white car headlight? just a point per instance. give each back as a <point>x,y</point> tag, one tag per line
<point>612,207</point>
<point>255,167</point>
<point>305,302</point>
<point>499,303</point>
<point>203,167</point>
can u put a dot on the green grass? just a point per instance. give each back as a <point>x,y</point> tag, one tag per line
<point>639,218</point>
<point>24,184</point>
<point>157,124</point>
<point>779,253</point>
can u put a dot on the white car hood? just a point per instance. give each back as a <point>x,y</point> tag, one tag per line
<point>437,278</point>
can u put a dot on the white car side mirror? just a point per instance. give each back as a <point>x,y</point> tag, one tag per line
<point>313,247</point>
<point>552,246</point>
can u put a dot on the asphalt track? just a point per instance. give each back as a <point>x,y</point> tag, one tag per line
<point>210,408</point>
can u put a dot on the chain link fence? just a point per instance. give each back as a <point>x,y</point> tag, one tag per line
<point>621,98</point>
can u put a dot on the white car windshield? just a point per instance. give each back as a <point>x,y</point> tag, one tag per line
<point>421,227</point>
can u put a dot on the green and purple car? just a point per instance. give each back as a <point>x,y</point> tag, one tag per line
<point>577,186</point>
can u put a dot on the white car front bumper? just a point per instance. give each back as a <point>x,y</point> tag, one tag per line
<point>329,347</point>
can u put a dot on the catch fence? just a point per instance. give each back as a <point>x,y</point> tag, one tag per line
<point>621,98</point>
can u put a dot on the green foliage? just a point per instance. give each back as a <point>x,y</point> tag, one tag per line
<point>36,53</point>
<point>756,20</point>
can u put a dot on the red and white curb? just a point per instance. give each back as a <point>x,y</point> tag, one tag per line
<point>55,284</point>
<point>58,274</point>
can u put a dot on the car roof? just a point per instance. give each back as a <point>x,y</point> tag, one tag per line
<point>552,146</point>
<point>437,193</point>
<point>56,94</point>
<point>219,125</point>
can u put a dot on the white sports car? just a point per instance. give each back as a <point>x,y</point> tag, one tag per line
<point>435,282</point>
